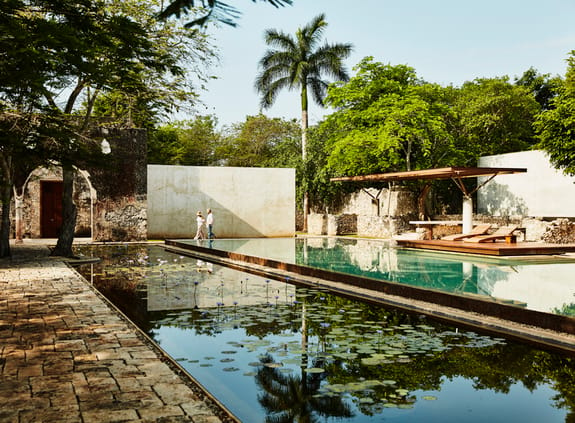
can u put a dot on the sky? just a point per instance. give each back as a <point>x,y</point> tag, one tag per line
<point>447,42</point>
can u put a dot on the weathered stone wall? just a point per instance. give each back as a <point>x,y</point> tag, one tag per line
<point>560,231</point>
<point>32,202</point>
<point>110,199</point>
<point>120,211</point>
<point>368,212</point>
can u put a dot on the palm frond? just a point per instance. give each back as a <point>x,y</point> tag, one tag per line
<point>213,10</point>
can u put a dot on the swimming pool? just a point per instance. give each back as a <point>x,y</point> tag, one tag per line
<point>270,350</point>
<point>534,284</point>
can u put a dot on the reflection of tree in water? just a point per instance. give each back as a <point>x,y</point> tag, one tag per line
<point>495,366</point>
<point>566,310</point>
<point>289,398</point>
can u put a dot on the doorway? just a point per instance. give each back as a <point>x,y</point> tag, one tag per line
<point>50,208</point>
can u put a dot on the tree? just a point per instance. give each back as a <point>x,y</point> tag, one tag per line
<point>187,143</point>
<point>388,120</point>
<point>543,87</point>
<point>556,126</point>
<point>208,10</point>
<point>82,49</point>
<point>299,63</point>
<point>495,116</point>
<point>261,141</point>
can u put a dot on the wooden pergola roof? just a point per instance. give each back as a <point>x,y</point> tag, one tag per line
<point>454,173</point>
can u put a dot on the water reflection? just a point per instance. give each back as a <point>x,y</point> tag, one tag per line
<point>273,352</point>
<point>545,287</point>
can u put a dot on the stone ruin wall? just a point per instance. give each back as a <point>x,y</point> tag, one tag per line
<point>118,192</point>
<point>120,211</point>
<point>368,213</point>
<point>31,203</point>
<point>537,229</point>
<point>389,214</point>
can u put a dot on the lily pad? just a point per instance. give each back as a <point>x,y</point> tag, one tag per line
<point>314,370</point>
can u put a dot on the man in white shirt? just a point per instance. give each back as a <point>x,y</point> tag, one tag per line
<point>210,223</point>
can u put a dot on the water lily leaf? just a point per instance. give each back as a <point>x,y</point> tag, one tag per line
<point>429,397</point>
<point>273,365</point>
<point>314,370</point>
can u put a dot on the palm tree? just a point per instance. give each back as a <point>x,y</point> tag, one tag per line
<point>300,63</point>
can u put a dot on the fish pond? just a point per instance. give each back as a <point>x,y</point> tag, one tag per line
<point>271,351</point>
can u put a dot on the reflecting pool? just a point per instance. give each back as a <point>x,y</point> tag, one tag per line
<point>536,284</point>
<point>271,351</point>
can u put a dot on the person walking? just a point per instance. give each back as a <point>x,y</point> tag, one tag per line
<point>210,223</point>
<point>200,234</point>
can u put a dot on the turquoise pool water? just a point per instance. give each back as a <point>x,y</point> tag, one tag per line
<point>533,284</point>
<point>271,351</point>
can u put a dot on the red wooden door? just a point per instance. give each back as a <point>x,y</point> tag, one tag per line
<point>50,208</point>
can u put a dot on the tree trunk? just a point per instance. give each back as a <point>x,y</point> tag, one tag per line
<point>304,126</point>
<point>421,209</point>
<point>5,222</point>
<point>69,212</point>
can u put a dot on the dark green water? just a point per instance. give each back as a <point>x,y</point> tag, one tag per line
<point>273,352</point>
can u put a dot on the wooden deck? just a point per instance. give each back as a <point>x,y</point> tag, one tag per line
<point>499,248</point>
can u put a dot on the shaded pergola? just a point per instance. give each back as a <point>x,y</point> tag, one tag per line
<point>456,174</point>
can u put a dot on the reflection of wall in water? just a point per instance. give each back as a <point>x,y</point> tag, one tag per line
<point>207,286</point>
<point>282,249</point>
<point>543,287</point>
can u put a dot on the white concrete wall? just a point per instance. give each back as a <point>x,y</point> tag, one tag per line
<point>541,192</point>
<point>246,202</point>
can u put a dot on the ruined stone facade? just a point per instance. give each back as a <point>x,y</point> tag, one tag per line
<point>110,199</point>
<point>371,212</point>
<point>120,209</point>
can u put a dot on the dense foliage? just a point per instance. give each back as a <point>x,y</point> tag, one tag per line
<point>58,59</point>
<point>556,126</point>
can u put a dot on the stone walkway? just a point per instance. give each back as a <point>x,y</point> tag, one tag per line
<point>66,356</point>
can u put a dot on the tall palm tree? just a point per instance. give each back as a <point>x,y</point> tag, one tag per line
<point>299,63</point>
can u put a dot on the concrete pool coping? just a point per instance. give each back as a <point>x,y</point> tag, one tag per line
<point>486,314</point>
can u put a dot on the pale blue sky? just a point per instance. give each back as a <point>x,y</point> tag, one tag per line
<point>445,41</point>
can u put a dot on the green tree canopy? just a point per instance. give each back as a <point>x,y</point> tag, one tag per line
<point>261,141</point>
<point>495,117</point>
<point>387,119</point>
<point>188,143</point>
<point>544,87</point>
<point>556,126</point>
<point>70,52</point>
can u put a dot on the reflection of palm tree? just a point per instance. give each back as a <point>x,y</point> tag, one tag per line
<point>288,398</point>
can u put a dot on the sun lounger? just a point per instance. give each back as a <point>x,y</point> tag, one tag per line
<point>480,229</point>
<point>504,232</point>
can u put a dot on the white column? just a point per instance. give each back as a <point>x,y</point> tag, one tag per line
<point>467,214</point>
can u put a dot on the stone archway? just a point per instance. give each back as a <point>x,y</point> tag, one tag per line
<point>37,206</point>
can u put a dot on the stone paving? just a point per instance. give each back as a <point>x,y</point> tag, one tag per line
<point>66,356</point>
